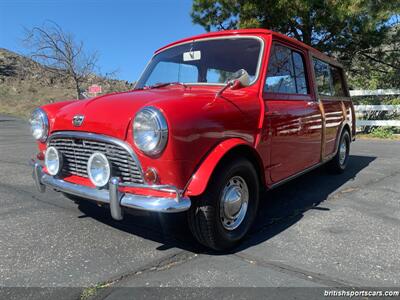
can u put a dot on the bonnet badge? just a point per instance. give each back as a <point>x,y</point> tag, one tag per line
<point>77,120</point>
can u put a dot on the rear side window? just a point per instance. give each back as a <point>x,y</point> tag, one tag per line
<point>286,72</point>
<point>329,79</point>
<point>322,77</point>
<point>337,82</point>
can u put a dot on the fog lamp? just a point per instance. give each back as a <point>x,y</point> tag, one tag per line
<point>52,161</point>
<point>98,169</point>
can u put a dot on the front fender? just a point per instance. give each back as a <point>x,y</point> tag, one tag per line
<point>199,180</point>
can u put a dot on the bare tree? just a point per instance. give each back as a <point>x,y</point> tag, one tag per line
<point>61,53</point>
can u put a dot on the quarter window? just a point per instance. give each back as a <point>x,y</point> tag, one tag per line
<point>322,77</point>
<point>286,72</point>
<point>329,79</point>
<point>337,81</point>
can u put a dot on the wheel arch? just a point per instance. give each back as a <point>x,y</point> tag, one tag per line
<point>225,151</point>
<point>346,127</point>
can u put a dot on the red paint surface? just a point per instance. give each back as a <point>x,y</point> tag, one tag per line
<point>201,177</point>
<point>285,131</point>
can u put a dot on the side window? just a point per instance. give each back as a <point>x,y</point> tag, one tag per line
<point>286,72</point>
<point>168,71</point>
<point>337,82</point>
<point>322,77</point>
<point>301,81</point>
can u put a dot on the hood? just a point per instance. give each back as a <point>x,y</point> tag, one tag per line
<point>112,114</point>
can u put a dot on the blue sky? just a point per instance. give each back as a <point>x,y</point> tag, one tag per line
<point>125,33</point>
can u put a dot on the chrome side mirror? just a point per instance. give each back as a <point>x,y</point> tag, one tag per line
<point>241,76</point>
<point>238,79</point>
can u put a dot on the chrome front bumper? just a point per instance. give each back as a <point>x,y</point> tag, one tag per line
<point>113,196</point>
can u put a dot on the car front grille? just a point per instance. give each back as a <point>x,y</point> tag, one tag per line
<point>77,150</point>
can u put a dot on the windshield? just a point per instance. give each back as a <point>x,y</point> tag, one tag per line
<point>203,62</point>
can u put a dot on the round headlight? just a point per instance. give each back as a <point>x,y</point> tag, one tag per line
<point>39,125</point>
<point>150,131</point>
<point>52,161</point>
<point>98,169</point>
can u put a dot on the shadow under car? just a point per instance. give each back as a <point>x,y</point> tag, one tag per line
<point>279,209</point>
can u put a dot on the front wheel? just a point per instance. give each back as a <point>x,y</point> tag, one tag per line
<point>222,216</point>
<point>339,163</point>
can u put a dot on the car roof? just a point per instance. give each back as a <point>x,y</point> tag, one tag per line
<point>254,31</point>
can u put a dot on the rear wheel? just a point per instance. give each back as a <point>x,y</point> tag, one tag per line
<point>339,163</point>
<point>222,216</point>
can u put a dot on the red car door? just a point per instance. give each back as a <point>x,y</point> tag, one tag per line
<point>292,113</point>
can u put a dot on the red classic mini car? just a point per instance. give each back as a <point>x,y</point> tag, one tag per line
<point>212,120</point>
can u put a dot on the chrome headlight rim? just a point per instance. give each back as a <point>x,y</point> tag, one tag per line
<point>40,113</point>
<point>58,159</point>
<point>107,165</point>
<point>161,130</point>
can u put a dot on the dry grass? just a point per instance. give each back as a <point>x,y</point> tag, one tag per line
<point>19,99</point>
<point>25,85</point>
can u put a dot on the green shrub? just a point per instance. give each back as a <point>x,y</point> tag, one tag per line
<point>395,101</point>
<point>382,132</point>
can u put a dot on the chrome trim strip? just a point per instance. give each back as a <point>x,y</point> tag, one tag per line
<point>98,137</point>
<point>75,189</point>
<point>156,204</point>
<point>114,197</point>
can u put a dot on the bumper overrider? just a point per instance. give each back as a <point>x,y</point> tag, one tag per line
<point>113,196</point>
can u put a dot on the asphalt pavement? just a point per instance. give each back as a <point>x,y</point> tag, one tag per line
<point>320,230</point>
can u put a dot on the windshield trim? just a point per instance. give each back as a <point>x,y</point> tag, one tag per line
<point>259,62</point>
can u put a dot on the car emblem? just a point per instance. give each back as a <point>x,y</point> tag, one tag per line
<point>77,120</point>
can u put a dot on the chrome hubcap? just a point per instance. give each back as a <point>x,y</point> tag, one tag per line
<point>342,152</point>
<point>234,203</point>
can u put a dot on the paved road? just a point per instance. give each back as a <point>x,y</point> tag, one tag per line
<point>319,230</point>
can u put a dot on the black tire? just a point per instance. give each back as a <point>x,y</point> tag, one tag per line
<point>337,165</point>
<point>204,216</point>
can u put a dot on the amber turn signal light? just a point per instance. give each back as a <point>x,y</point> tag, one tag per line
<point>151,176</point>
<point>40,155</point>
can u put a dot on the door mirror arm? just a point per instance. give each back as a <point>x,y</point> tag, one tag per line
<point>238,80</point>
<point>229,84</point>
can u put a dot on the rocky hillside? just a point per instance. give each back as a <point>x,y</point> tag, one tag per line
<point>25,84</point>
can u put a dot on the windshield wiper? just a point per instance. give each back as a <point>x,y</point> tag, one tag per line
<point>159,85</point>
